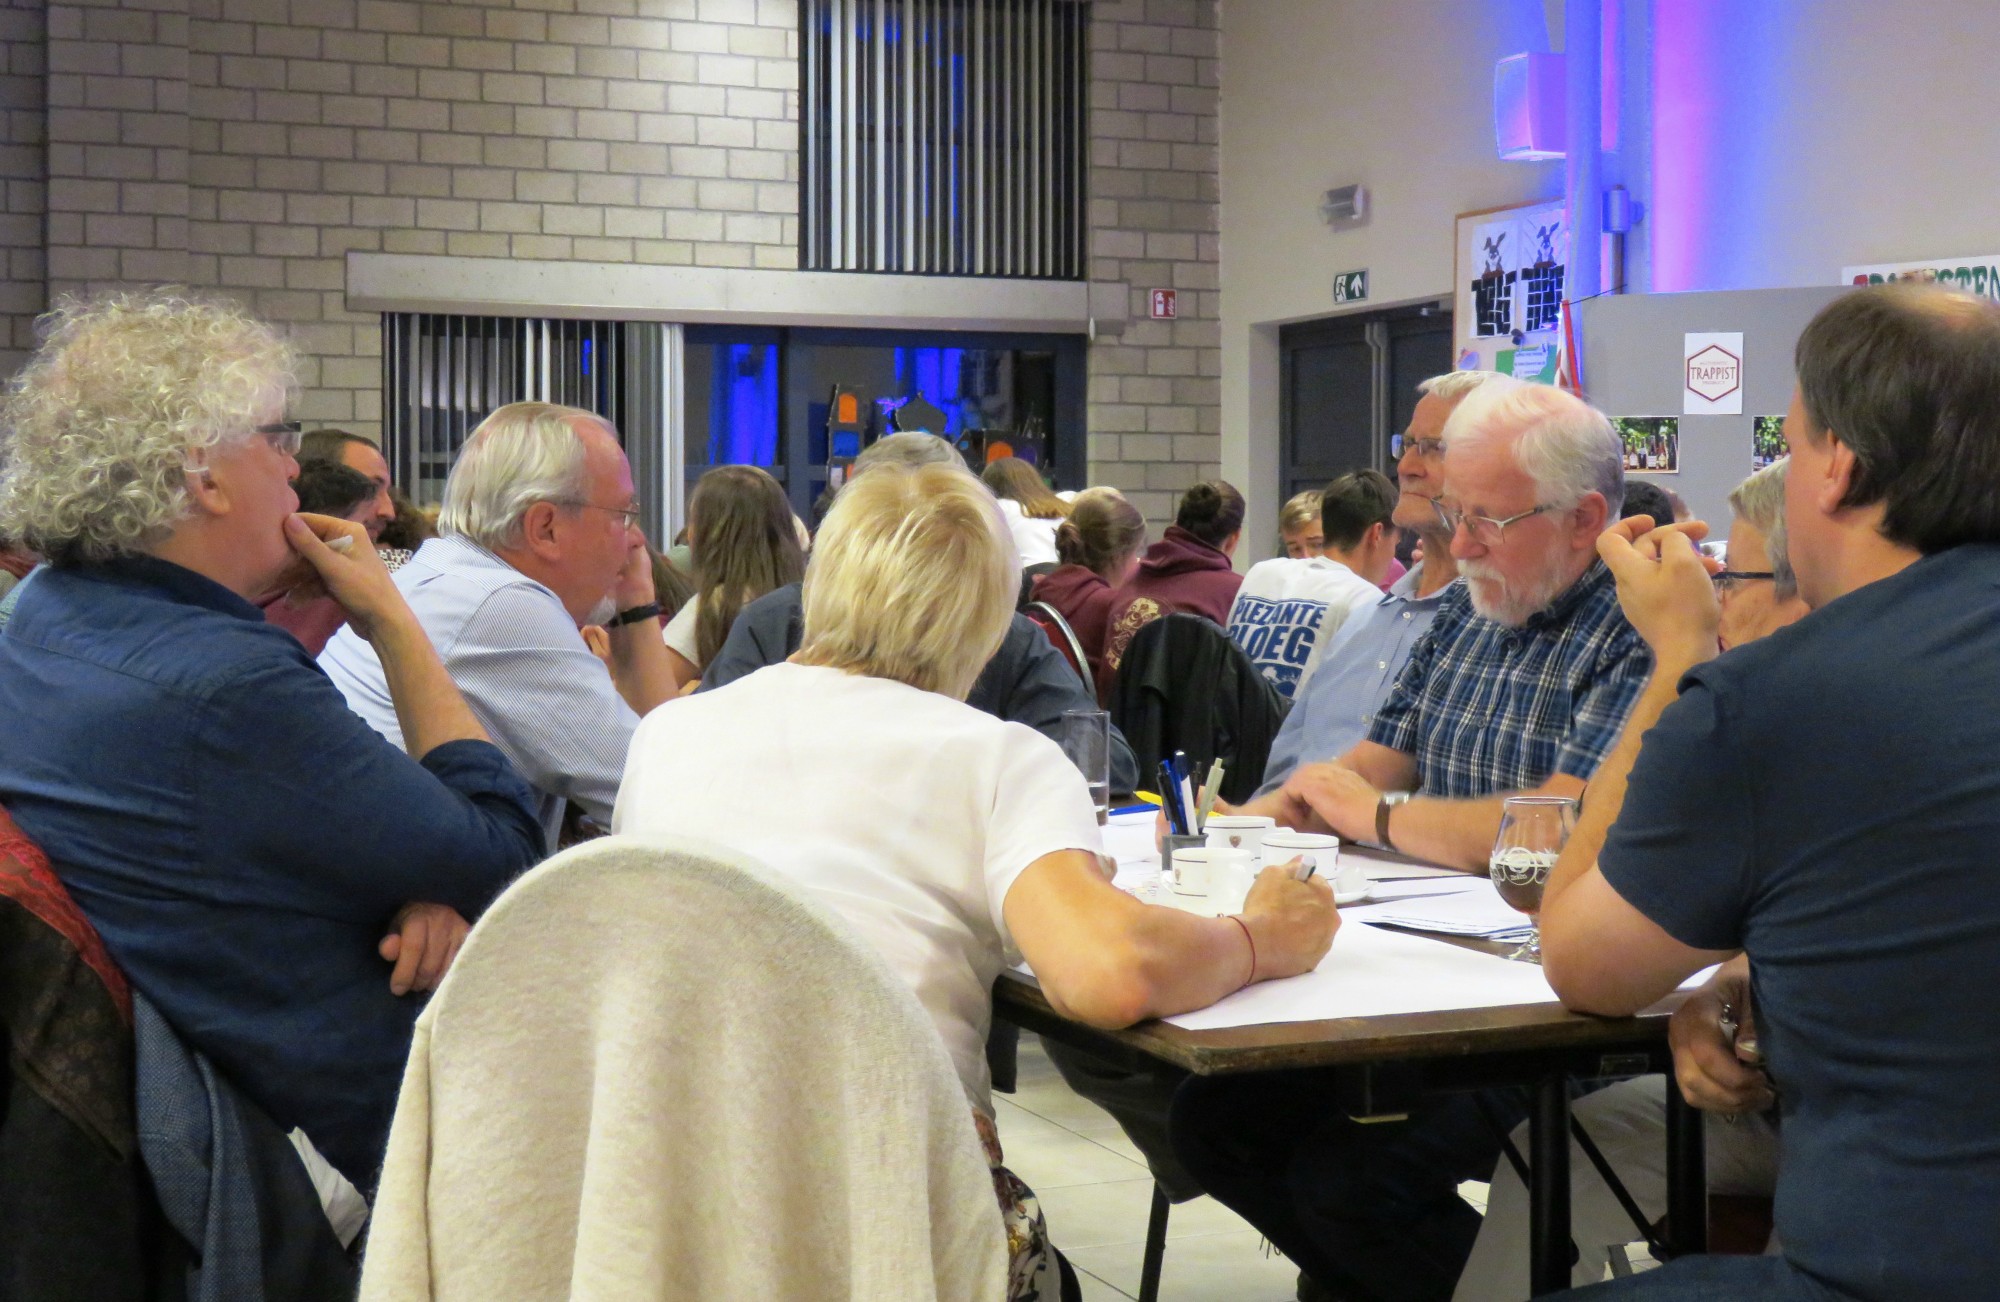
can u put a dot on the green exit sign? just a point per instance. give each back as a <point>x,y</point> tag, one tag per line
<point>1350,286</point>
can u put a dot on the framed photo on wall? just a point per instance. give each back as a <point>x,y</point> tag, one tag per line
<point>1508,272</point>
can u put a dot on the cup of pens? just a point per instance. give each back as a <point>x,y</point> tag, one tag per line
<point>1188,792</point>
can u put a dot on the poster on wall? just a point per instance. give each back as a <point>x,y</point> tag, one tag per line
<point>1509,269</point>
<point>1652,443</point>
<point>1712,364</point>
<point>1977,275</point>
<point>1767,440</point>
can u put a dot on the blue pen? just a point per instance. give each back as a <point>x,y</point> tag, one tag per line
<point>1170,798</point>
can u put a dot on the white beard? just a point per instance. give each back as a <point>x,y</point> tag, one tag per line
<point>1512,606</point>
<point>602,612</point>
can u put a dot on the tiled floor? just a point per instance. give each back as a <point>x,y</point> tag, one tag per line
<point>1096,1194</point>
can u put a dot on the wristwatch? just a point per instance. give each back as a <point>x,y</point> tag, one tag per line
<point>651,610</point>
<point>1388,802</point>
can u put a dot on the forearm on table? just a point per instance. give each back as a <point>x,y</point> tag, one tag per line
<point>1159,962</point>
<point>640,667</point>
<point>1607,784</point>
<point>1459,833</point>
<point>429,707</point>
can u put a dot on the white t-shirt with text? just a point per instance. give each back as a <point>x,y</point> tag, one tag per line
<point>1287,608</point>
<point>907,813</point>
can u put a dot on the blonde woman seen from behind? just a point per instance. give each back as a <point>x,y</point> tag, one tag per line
<point>817,765</point>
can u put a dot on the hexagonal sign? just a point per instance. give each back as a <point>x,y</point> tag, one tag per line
<point>1715,373</point>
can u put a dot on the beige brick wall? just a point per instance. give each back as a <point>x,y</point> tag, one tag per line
<point>1156,391</point>
<point>248,145</point>
<point>23,177</point>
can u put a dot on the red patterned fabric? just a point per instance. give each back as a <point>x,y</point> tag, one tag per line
<point>25,877</point>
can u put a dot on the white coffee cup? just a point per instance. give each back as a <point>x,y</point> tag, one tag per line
<point>1282,844</point>
<point>1238,831</point>
<point>1210,880</point>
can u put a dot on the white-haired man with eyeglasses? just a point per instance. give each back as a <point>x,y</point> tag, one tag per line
<point>1520,685</point>
<point>538,536</point>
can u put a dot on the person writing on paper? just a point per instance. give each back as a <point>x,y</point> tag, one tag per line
<point>1527,672</point>
<point>1757,594</point>
<point>1825,801</point>
<point>953,842</point>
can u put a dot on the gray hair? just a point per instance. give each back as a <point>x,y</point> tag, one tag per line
<point>524,453</point>
<point>128,393</point>
<point>912,449</point>
<point>1453,385</point>
<point>1565,445</point>
<point>1760,500</point>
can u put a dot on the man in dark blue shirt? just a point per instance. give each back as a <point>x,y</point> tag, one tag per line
<point>252,853</point>
<point>1826,801</point>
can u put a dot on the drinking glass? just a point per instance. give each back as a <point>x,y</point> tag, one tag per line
<point>1086,739</point>
<point>1533,831</point>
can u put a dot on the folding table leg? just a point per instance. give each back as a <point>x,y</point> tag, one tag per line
<point>1549,1249</point>
<point>1687,1176</point>
<point>1156,1246</point>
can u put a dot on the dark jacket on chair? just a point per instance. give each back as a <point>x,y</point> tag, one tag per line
<point>1185,686</point>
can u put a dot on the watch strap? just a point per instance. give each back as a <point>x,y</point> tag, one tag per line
<point>1382,808</point>
<point>651,610</point>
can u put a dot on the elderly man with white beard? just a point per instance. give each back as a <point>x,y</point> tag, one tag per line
<point>1526,674</point>
<point>1520,686</point>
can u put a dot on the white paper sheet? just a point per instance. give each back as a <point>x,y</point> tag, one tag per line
<point>1370,972</point>
<point>1128,838</point>
<point>1467,907</point>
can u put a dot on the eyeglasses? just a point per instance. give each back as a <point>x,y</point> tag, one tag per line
<point>1401,443</point>
<point>1731,580</point>
<point>630,513</point>
<point>1485,530</point>
<point>284,435</point>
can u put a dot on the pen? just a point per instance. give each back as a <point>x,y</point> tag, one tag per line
<point>1307,866</point>
<point>1170,798</point>
<point>1213,790</point>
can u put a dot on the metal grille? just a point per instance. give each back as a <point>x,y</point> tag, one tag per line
<point>443,374</point>
<point>944,136</point>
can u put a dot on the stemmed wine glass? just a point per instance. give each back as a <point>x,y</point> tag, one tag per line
<point>1533,831</point>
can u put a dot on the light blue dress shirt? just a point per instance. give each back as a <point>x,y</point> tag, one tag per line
<point>519,661</point>
<point>1355,674</point>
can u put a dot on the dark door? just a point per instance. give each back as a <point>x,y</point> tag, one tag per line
<point>1350,382</point>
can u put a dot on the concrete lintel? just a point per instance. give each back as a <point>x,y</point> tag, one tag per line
<point>395,282</point>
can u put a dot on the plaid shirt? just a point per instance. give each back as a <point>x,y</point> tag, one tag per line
<point>1486,708</point>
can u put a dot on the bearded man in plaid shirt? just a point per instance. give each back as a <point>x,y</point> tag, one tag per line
<point>1519,687</point>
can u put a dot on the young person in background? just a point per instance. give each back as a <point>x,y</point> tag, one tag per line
<point>1099,546</point>
<point>1187,572</point>
<point>1299,525</point>
<point>1032,511</point>
<point>1288,610</point>
<point>745,543</point>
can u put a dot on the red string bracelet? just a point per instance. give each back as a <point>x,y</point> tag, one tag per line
<point>1253,947</point>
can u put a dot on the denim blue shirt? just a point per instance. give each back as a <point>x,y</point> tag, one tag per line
<point>1484,708</point>
<point>1356,670</point>
<point>239,837</point>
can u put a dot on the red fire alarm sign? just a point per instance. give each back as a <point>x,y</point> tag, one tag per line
<point>1163,305</point>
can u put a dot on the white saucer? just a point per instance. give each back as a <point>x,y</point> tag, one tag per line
<point>1356,897</point>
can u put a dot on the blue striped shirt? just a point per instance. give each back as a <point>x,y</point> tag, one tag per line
<point>1485,708</point>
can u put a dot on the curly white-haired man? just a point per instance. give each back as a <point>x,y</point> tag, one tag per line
<point>252,853</point>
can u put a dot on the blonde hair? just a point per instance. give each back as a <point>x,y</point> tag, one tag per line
<point>1014,478</point>
<point>1102,533</point>
<point>524,453</point>
<point>127,392</point>
<point>745,543</point>
<point>913,578</point>
<point>1301,512</point>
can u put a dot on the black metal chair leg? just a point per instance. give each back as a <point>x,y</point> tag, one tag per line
<point>1156,1246</point>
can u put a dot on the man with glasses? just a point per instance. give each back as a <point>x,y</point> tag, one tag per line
<point>538,537</point>
<point>364,458</point>
<point>1520,686</point>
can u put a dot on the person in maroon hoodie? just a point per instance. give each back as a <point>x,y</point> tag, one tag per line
<point>1186,572</point>
<point>1099,548</point>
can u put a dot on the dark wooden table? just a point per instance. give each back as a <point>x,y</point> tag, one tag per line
<point>1384,1062</point>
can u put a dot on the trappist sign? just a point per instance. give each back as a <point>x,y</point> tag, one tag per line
<point>1714,375</point>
